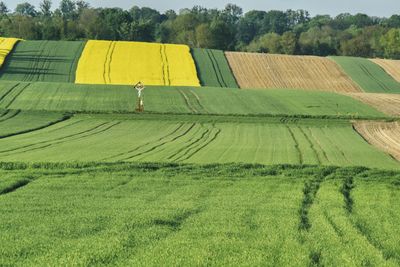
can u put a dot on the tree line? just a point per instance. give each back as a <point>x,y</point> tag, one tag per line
<point>284,32</point>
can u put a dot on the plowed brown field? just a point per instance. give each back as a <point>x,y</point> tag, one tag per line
<point>383,135</point>
<point>392,67</point>
<point>386,103</point>
<point>254,70</point>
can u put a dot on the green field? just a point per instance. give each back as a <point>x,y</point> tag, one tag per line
<point>368,75</point>
<point>199,139</point>
<point>45,61</point>
<point>204,177</point>
<point>190,215</point>
<point>106,98</point>
<point>213,68</point>
<point>15,122</point>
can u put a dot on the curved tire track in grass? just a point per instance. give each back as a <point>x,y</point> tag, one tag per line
<point>161,139</point>
<point>18,93</point>
<point>14,186</point>
<point>195,146</point>
<point>214,136</point>
<point>51,123</point>
<point>45,144</point>
<point>346,190</point>
<point>9,114</point>
<point>161,144</point>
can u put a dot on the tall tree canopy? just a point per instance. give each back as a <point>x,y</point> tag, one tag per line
<point>273,31</point>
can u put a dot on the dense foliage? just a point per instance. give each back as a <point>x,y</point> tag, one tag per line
<point>288,32</point>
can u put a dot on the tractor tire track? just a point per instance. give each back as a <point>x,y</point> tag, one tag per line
<point>319,145</point>
<point>296,145</point>
<point>162,144</point>
<point>221,75</point>
<point>80,135</point>
<point>106,63</point>
<point>65,141</point>
<point>64,118</point>
<point>359,226</point>
<point>9,92</point>
<point>199,147</point>
<point>3,113</point>
<point>167,65</point>
<point>110,58</point>
<point>215,68</point>
<point>196,131</point>
<point>193,141</point>
<point>15,186</point>
<point>198,101</point>
<point>371,76</point>
<point>146,144</point>
<point>17,95</point>
<point>35,63</point>
<point>311,145</point>
<point>10,115</point>
<point>187,101</point>
<point>334,144</point>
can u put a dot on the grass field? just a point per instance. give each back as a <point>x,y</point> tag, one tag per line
<point>253,70</point>
<point>213,68</point>
<point>205,176</point>
<point>109,62</point>
<point>15,122</point>
<point>106,98</point>
<point>368,75</point>
<point>199,139</point>
<point>154,214</point>
<point>45,61</point>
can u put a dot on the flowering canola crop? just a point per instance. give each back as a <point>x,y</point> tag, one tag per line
<point>110,62</point>
<point>6,45</point>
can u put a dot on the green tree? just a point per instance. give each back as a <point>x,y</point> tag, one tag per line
<point>250,26</point>
<point>268,43</point>
<point>393,21</point>
<point>357,47</point>
<point>320,41</point>
<point>391,44</point>
<point>203,36</point>
<point>68,9</point>
<point>45,8</point>
<point>26,9</point>
<point>288,43</point>
<point>3,9</point>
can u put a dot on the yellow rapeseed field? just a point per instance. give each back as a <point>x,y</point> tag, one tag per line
<point>6,45</point>
<point>110,62</point>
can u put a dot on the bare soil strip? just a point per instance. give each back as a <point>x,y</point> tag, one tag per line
<point>254,70</point>
<point>392,67</point>
<point>383,135</point>
<point>386,103</point>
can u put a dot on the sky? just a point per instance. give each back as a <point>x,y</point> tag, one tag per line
<point>381,8</point>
